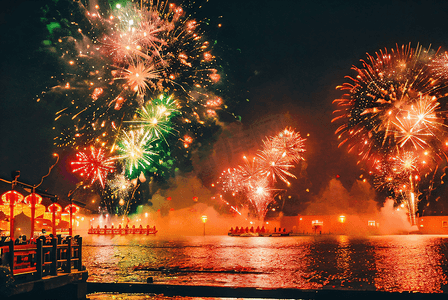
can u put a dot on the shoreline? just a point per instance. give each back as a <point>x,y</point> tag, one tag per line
<point>249,292</point>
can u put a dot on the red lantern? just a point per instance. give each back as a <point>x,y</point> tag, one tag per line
<point>195,199</point>
<point>15,196</point>
<point>12,198</point>
<point>33,198</point>
<point>74,208</point>
<point>54,208</point>
<point>168,198</point>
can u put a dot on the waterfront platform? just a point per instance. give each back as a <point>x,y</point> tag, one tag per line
<point>48,268</point>
<point>61,286</point>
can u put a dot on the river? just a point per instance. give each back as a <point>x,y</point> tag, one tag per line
<point>383,263</point>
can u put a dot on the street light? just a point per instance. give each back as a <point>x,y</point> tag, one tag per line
<point>204,219</point>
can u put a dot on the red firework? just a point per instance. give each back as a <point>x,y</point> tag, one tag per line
<point>94,165</point>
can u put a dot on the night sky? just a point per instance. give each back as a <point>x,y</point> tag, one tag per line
<point>278,57</point>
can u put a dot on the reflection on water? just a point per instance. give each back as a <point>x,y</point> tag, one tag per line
<point>418,264</point>
<point>138,296</point>
<point>384,263</point>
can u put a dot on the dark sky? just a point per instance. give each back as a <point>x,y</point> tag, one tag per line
<point>281,55</point>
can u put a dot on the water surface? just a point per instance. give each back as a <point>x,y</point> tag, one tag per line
<point>385,263</point>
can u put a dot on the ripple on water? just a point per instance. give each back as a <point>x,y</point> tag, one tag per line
<point>386,263</point>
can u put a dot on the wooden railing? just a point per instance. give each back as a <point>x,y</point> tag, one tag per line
<point>43,258</point>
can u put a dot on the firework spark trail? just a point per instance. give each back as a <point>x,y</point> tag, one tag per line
<point>439,65</point>
<point>406,167</point>
<point>231,181</point>
<point>260,195</point>
<point>250,170</point>
<point>393,109</point>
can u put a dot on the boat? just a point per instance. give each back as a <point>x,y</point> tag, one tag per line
<point>250,232</point>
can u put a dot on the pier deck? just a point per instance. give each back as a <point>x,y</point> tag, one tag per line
<point>49,267</point>
<point>61,286</point>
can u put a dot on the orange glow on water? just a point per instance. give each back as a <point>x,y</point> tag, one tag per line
<point>402,263</point>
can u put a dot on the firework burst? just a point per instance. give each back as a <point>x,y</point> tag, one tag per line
<point>140,76</point>
<point>94,165</point>
<point>155,116</point>
<point>133,33</point>
<point>123,56</point>
<point>289,142</point>
<point>393,110</point>
<point>279,153</point>
<point>391,101</point>
<point>256,177</point>
<point>120,185</point>
<point>137,78</point>
<point>135,151</point>
<point>115,62</point>
<point>275,164</point>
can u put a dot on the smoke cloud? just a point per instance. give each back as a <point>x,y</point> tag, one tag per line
<point>358,204</point>
<point>181,211</point>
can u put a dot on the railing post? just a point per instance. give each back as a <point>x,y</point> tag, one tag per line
<point>59,256</point>
<point>80,253</point>
<point>69,254</point>
<point>11,256</point>
<point>39,259</point>
<point>54,257</point>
